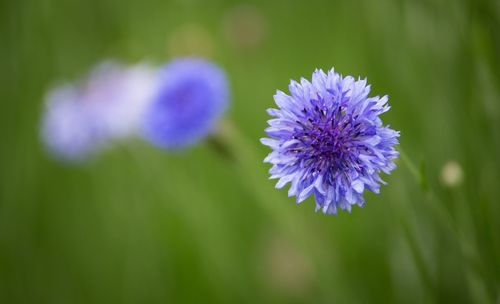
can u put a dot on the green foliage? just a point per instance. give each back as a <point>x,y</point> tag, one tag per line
<point>139,225</point>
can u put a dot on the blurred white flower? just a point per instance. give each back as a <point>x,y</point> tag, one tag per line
<point>452,174</point>
<point>67,128</point>
<point>81,118</point>
<point>117,96</point>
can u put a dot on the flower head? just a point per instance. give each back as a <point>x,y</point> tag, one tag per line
<point>328,140</point>
<point>117,96</point>
<point>192,95</point>
<point>80,118</point>
<point>67,130</point>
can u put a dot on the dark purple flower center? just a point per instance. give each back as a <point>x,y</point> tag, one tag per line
<point>327,140</point>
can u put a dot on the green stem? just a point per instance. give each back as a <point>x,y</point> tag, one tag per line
<point>411,167</point>
<point>252,171</point>
<point>248,164</point>
<point>200,219</point>
<point>418,256</point>
<point>468,252</point>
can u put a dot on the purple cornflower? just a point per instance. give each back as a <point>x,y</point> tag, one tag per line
<point>328,140</point>
<point>81,118</point>
<point>192,95</point>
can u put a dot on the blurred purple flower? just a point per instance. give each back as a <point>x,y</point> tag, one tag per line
<point>192,95</point>
<point>328,140</point>
<point>81,118</point>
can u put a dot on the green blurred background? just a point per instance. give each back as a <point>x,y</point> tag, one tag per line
<point>139,225</point>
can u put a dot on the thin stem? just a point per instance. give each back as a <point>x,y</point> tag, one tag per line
<point>246,159</point>
<point>467,250</point>
<point>411,167</point>
<point>418,256</point>
<point>200,218</point>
